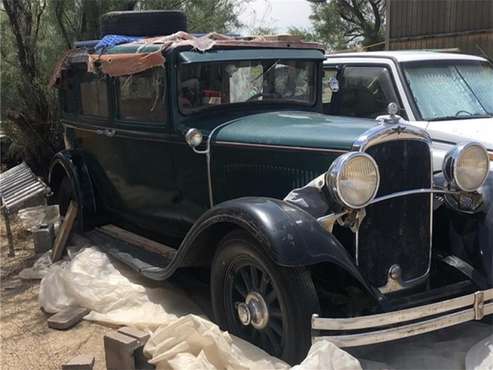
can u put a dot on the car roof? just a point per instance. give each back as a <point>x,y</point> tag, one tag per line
<point>408,55</point>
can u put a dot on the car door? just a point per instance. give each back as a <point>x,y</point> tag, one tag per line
<point>90,130</point>
<point>145,177</point>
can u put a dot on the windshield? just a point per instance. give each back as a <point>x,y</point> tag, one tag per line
<point>452,89</point>
<point>202,85</point>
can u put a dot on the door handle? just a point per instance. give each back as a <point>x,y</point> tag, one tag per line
<point>109,132</point>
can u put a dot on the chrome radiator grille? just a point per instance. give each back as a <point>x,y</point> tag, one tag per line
<point>397,230</point>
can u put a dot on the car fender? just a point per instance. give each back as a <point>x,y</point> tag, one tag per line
<point>71,163</point>
<point>288,235</point>
<point>469,236</point>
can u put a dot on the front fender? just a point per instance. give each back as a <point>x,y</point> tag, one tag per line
<point>289,236</point>
<point>71,163</point>
<point>469,236</point>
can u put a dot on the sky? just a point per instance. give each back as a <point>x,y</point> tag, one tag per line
<point>280,14</point>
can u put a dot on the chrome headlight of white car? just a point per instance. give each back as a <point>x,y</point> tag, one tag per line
<point>353,179</point>
<point>466,166</point>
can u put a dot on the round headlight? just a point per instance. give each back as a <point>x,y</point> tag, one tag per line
<point>353,179</point>
<point>467,166</point>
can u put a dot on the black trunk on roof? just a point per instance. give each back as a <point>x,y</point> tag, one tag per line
<point>143,23</point>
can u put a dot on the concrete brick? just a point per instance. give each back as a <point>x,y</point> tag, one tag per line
<point>43,238</point>
<point>119,351</point>
<point>140,360</point>
<point>140,335</point>
<point>67,318</point>
<point>82,362</point>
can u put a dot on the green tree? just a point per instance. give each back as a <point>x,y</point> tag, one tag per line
<point>347,23</point>
<point>35,33</point>
<point>28,109</point>
<point>79,19</point>
<point>305,33</point>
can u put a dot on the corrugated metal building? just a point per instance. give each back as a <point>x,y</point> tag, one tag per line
<point>441,24</point>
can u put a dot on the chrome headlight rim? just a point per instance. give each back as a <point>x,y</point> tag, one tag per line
<point>334,174</point>
<point>449,167</point>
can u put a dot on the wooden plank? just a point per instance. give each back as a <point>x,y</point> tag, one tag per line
<point>8,230</point>
<point>138,240</point>
<point>64,232</point>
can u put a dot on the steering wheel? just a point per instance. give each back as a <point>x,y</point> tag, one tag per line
<point>262,94</point>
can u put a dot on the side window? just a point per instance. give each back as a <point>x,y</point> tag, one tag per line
<point>366,92</point>
<point>141,97</point>
<point>94,95</point>
<point>329,75</point>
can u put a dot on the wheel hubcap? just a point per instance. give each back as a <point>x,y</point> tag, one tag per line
<point>253,311</point>
<point>255,308</point>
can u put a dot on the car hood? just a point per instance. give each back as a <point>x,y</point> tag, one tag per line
<point>297,129</point>
<point>456,131</point>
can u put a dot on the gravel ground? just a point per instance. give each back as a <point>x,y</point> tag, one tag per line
<point>26,341</point>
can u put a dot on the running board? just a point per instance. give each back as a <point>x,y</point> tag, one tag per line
<point>143,255</point>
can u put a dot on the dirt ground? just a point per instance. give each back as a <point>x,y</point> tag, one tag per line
<point>26,341</point>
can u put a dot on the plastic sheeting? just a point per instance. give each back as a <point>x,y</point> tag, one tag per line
<point>480,356</point>
<point>182,338</point>
<point>114,295</point>
<point>32,217</point>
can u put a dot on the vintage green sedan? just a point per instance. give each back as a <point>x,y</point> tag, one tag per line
<point>210,154</point>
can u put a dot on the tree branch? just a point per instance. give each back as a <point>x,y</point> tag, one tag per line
<point>59,11</point>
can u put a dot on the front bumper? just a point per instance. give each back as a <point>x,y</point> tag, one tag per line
<point>405,323</point>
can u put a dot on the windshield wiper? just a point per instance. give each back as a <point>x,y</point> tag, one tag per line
<point>454,118</point>
<point>266,71</point>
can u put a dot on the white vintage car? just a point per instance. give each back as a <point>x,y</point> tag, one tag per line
<point>450,95</point>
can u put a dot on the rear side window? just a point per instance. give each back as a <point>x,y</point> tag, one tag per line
<point>94,95</point>
<point>141,97</point>
<point>365,92</point>
<point>69,93</point>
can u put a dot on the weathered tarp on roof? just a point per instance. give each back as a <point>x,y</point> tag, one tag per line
<point>124,64</point>
<point>62,65</point>
<point>143,57</point>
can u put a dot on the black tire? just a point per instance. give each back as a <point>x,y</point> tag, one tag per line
<point>241,270</point>
<point>143,23</point>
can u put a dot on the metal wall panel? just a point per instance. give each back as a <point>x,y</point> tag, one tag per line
<point>438,24</point>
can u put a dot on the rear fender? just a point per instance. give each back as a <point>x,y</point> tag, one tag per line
<point>71,163</point>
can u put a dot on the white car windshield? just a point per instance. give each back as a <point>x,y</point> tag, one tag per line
<point>451,90</point>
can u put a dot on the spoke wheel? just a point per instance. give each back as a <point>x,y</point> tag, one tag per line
<point>254,306</point>
<point>265,304</point>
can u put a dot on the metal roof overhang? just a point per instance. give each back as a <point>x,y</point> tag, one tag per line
<point>218,55</point>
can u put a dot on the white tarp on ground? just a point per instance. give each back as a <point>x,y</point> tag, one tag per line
<point>184,339</point>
